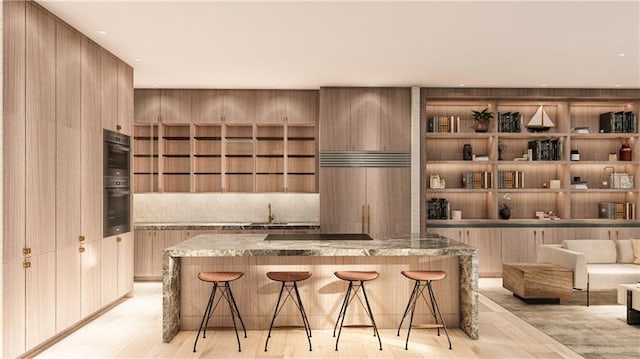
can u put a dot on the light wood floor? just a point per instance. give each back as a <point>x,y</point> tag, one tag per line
<point>133,329</point>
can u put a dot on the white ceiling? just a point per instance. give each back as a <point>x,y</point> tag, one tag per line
<point>306,44</point>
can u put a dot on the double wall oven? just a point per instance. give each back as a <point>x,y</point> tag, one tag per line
<point>117,193</point>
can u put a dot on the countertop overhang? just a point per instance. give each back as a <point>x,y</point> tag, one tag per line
<point>227,245</point>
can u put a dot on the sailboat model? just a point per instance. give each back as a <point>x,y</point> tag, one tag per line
<point>540,121</point>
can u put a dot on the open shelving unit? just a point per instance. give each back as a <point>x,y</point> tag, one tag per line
<point>176,158</point>
<point>443,156</point>
<point>207,158</point>
<point>145,158</point>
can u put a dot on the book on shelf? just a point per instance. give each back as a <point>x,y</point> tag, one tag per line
<point>545,149</point>
<point>579,185</point>
<point>617,210</point>
<point>443,124</point>
<point>618,122</point>
<point>580,130</point>
<point>477,179</point>
<point>510,122</point>
<point>438,208</point>
<point>510,179</point>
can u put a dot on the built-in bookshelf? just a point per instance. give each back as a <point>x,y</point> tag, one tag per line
<point>219,157</point>
<point>501,166</point>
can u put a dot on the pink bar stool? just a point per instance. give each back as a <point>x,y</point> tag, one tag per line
<point>356,279</point>
<point>220,281</point>
<point>423,280</point>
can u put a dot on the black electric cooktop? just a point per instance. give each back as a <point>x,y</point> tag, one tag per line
<point>319,236</point>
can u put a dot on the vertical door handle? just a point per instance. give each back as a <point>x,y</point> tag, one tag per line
<point>363,218</point>
<point>609,234</point>
<point>368,219</point>
<point>460,235</point>
<point>617,235</point>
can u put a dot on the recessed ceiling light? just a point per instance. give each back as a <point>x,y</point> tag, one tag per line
<point>544,85</point>
<point>370,85</point>
<point>621,54</point>
<point>138,59</point>
<point>617,85</point>
<point>461,85</point>
<point>155,85</point>
<point>102,32</point>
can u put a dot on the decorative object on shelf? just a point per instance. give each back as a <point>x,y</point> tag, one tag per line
<point>540,121</point>
<point>578,183</point>
<point>617,210</point>
<point>575,155</point>
<point>613,157</point>
<point>467,152</point>
<point>625,153</point>
<point>510,122</point>
<point>480,157</point>
<point>438,208</point>
<point>444,124</point>
<point>501,148</point>
<point>456,215</point>
<point>549,215</point>
<point>482,119</point>
<point>510,179</point>
<point>618,122</point>
<point>477,179</point>
<point>436,182</point>
<point>549,149</point>
<point>606,176</point>
<point>621,180</point>
<point>580,130</point>
<point>554,184</point>
<point>505,209</point>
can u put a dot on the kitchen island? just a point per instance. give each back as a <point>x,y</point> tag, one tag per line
<point>185,297</point>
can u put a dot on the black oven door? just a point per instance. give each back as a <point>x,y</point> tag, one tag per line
<point>116,211</point>
<point>116,160</point>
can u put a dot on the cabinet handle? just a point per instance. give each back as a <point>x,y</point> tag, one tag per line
<point>81,239</point>
<point>363,218</point>
<point>26,251</point>
<point>368,219</point>
<point>460,235</point>
<point>609,234</point>
<point>118,127</point>
<point>81,249</point>
<point>118,239</point>
<point>26,264</point>
<point>617,235</point>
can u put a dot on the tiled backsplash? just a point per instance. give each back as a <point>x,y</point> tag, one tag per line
<point>225,207</point>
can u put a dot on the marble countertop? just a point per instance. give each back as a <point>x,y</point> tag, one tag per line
<point>228,245</point>
<point>223,225</point>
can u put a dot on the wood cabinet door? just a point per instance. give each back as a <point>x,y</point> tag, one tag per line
<point>519,244</point>
<point>388,200</point>
<point>40,304</point>
<point>40,133</point>
<point>125,263</point>
<point>175,106</point>
<point>14,145</point>
<point>270,106</point>
<point>146,105</point>
<point>457,234</point>
<point>13,308</point>
<point>239,106</point>
<point>626,233</point>
<point>365,131</point>
<point>335,115</point>
<point>67,287</point>
<point>342,199</point>
<point>489,244</point>
<point>302,106</point>
<point>206,106</point>
<point>125,98</point>
<point>556,235</point>
<point>108,270</point>
<point>90,143</point>
<point>143,255</point>
<point>595,233</point>
<point>68,137</point>
<point>109,96</point>
<point>395,119</point>
<point>90,278</point>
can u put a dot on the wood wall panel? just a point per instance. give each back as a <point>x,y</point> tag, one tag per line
<point>108,271</point>
<point>206,106</point>
<point>239,106</point>
<point>343,196</point>
<point>365,119</point>
<point>14,333</point>
<point>175,106</point>
<point>388,197</point>
<point>395,119</point>
<point>14,130</point>
<point>125,264</point>
<point>90,278</point>
<point>335,117</point>
<point>143,253</point>
<point>147,105</point>
<point>68,150</point>
<point>109,80</point>
<point>67,287</point>
<point>302,106</point>
<point>41,127</point>
<point>125,98</point>
<point>40,305</point>
<point>90,143</point>
<point>270,106</point>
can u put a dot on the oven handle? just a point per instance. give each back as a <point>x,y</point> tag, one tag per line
<point>119,147</point>
<point>118,192</point>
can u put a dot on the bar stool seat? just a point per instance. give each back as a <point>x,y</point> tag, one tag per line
<point>359,277</point>
<point>423,280</point>
<point>289,281</point>
<point>220,281</point>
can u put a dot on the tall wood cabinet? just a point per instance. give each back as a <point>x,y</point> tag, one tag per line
<point>52,127</point>
<point>364,197</point>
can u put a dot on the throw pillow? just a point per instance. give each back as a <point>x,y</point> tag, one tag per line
<point>625,251</point>
<point>635,243</point>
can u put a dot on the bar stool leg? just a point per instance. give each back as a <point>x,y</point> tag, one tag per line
<point>406,310</point>
<point>375,327</point>
<point>413,310</point>
<point>342,309</point>
<point>435,303</point>
<point>275,312</point>
<point>231,309</point>
<point>343,313</point>
<point>206,315</point>
<point>237,311</point>
<point>303,314</point>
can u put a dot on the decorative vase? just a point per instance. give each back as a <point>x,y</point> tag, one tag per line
<point>481,126</point>
<point>625,153</point>
<point>505,213</point>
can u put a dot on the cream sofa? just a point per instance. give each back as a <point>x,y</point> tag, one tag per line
<point>596,263</point>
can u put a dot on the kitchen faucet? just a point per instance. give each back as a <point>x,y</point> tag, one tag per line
<point>270,214</point>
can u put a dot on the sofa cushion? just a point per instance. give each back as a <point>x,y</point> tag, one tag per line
<point>595,250</point>
<point>625,251</point>
<point>609,276</point>
<point>635,243</point>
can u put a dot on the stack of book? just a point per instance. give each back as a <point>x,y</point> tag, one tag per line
<point>579,185</point>
<point>510,179</point>
<point>509,122</point>
<point>617,210</point>
<point>546,150</point>
<point>618,122</point>
<point>477,179</point>
<point>438,208</point>
<point>444,124</point>
<point>620,180</point>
